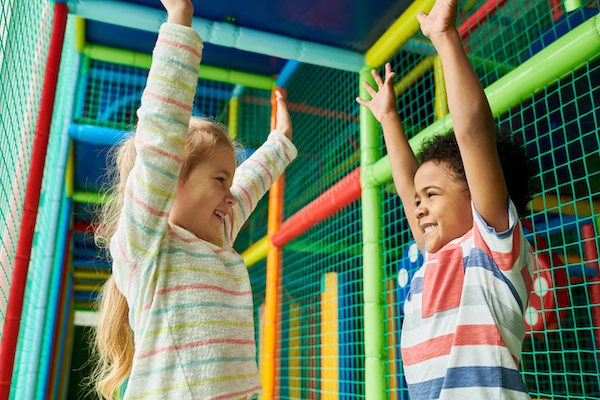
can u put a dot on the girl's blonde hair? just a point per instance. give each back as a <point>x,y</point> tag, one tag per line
<point>113,339</point>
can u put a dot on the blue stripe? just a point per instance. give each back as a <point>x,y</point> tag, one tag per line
<point>162,117</point>
<point>261,178</point>
<point>276,152</point>
<point>231,264</point>
<point>189,253</point>
<point>141,226</point>
<point>240,206</point>
<point>462,377</point>
<point>416,287</point>
<point>202,304</point>
<point>426,390</point>
<point>479,259</point>
<point>159,169</point>
<point>175,62</point>
<point>192,364</point>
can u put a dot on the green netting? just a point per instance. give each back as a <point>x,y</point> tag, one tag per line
<point>32,360</point>
<point>558,126</point>
<point>24,37</point>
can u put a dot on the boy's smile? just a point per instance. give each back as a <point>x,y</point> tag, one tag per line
<point>443,205</point>
<point>203,199</point>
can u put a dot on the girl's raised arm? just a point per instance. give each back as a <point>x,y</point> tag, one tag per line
<point>474,126</point>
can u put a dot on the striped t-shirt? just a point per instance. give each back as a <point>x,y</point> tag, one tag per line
<point>464,316</point>
<point>190,301</point>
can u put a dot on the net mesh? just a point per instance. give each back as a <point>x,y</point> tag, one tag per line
<point>558,128</point>
<point>24,38</point>
<point>321,334</point>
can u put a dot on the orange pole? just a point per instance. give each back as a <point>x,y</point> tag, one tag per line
<point>274,256</point>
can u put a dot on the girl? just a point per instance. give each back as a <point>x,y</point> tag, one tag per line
<point>464,314</point>
<point>177,315</point>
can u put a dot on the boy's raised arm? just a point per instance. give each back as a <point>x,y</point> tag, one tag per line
<point>473,121</point>
<point>402,160</point>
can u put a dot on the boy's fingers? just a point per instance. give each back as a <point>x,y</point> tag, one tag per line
<point>377,77</point>
<point>361,101</point>
<point>421,16</point>
<point>370,90</point>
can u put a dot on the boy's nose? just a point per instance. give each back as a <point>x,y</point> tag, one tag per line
<point>420,211</point>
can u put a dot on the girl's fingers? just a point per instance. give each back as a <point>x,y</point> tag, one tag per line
<point>362,102</point>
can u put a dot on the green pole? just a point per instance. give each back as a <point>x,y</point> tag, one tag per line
<point>80,196</point>
<point>375,370</point>
<point>208,72</point>
<point>558,59</point>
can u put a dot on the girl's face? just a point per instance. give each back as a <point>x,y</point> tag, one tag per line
<point>443,209</point>
<point>203,200</point>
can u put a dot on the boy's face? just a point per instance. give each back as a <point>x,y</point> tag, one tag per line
<point>204,198</point>
<point>443,203</point>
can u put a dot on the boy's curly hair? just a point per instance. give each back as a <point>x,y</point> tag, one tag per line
<point>513,159</point>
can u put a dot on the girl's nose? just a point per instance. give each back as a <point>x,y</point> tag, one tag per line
<point>229,199</point>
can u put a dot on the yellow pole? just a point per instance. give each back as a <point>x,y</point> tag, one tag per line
<point>79,34</point>
<point>256,252</point>
<point>295,352</point>
<point>440,107</point>
<point>329,338</point>
<point>397,35</point>
<point>234,114</point>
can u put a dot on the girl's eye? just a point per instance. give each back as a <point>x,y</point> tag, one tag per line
<point>222,180</point>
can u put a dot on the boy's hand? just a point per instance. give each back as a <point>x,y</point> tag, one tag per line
<point>440,20</point>
<point>284,122</point>
<point>179,11</point>
<point>383,102</point>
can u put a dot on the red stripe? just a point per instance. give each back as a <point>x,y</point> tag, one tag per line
<point>432,348</point>
<point>236,394</point>
<point>265,168</point>
<point>181,46</point>
<point>465,335</point>
<point>246,193</point>
<point>200,286</point>
<point>144,205</point>
<point>157,150</point>
<point>168,100</point>
<point>195,344</point>
<point>474,335</point>
<point>285,153</point>
<point>505,261</point>
<point>173,233</point>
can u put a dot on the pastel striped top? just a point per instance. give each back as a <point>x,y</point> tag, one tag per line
<point>464,316</point>
<point>190,301</point>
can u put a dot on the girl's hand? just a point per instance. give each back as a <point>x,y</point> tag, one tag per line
<point>284,122</point>
<point>179,11</point>
<point>440,20</point>
<point>383,102</point>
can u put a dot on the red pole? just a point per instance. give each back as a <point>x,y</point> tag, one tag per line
<point>590,257</point>
<point>340,195</point>
<point>14,309</point>
<point>479,17</point>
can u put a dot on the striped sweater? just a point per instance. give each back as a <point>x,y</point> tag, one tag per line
<point>464,316</point>
<point>190,301</point>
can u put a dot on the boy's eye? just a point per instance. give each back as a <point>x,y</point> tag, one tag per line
<point>431,194</point>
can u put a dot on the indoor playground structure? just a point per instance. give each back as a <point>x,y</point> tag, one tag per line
<point>329,252</point>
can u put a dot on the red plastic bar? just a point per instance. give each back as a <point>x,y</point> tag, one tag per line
<point>340,195</point>
<point>304,108</point>
<point>14,309</point>
<point>479,17</point>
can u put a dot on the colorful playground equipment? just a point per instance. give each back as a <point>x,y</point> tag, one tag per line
<point>329,252</point>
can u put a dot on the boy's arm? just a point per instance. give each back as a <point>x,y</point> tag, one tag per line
<point>402,160</point>
<point>473,121</point>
